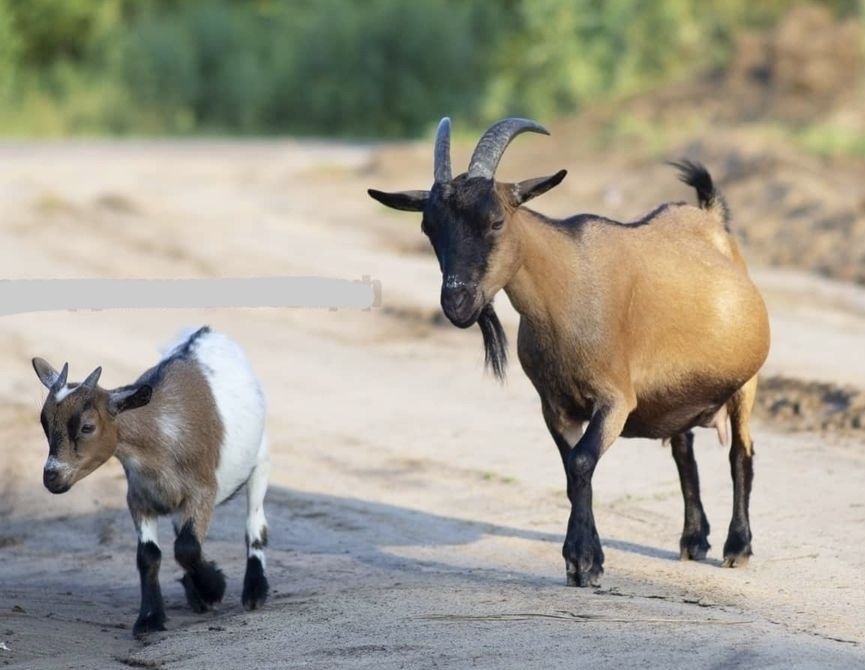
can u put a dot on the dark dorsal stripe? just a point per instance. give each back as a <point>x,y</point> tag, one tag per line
<point>185,351</point>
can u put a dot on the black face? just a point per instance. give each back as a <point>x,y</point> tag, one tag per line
<point>463,220</point>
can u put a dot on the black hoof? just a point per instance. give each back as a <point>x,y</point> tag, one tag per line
<point>584,566</point>
<point>152,622</point>
<point>737,550</point>
<point>695,543</point>
<point>204,586</point>
<point>584,579</point>
<point>693,549</point>
<point>255,586</point>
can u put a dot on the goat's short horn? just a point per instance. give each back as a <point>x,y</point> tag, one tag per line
<point>492,145</point>
<point>92,379</point>
<point>60,382</point>
<point>442,169</point>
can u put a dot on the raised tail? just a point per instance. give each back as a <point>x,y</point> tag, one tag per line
<point>696,175</point>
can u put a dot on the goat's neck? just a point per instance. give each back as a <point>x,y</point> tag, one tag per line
<point>548,273</point>
<point>136,438</point>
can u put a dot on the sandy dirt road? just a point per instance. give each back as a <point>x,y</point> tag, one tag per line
<point>417,508</point>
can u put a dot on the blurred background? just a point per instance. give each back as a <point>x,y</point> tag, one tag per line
<point>382,68</point>
<point>775,87</point>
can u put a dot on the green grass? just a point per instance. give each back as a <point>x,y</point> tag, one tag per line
<point>832,140</point>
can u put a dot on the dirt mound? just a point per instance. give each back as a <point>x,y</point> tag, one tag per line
<point>808,64</point>
<point>791,209</point>
<point>795,406</point>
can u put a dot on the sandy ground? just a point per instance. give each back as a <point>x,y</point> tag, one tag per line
<point>416,507</point>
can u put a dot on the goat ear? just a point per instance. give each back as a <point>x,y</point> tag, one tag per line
<point>408,201</point>
<point>532,188</point>
<point>131,397</point>
<point>48,375</point>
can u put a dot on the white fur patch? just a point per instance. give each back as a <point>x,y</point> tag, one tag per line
<point>259,554</point>
<point>54,464</point>
<point>170,426</point>
<point>452,281</point>
<point>64,393</point>
<point>255,491</point>
<point>572,433</point>
<point>241,407</point>
<point>148,531</point>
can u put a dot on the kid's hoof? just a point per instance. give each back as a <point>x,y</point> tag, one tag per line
<point>255,586</point>
<point>204,587</point>
<point>151,623</point>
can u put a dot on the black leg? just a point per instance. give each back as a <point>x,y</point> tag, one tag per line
<point>255,585</point>
<point>203,582</point>
<point>737,548</point>
<point>563,444</point>
<point>584,557</point>
<point>695,536</point>
<point>151,616</point>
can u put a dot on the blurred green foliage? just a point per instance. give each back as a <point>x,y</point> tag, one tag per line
<point>344,67</point>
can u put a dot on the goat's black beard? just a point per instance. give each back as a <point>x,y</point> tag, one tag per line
<point>495,342</point>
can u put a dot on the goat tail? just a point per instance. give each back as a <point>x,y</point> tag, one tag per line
<point>709,198</point>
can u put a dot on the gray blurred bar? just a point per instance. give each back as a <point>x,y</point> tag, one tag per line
<point>19,296</point>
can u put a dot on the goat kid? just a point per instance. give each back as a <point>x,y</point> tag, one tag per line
<point>189,434</point>
<point>642,329</point>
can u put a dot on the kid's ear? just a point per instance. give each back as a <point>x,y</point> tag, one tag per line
<point>48,375</point>
<point>131,397</point>
<point>408,201</point>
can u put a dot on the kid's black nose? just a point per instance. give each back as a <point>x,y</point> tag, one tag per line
<point>53,482</point>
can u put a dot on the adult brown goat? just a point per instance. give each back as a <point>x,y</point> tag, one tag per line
<point>642,329</point>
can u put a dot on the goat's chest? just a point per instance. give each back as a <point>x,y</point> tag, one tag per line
<point>557,377</point>
<point>154,493</point>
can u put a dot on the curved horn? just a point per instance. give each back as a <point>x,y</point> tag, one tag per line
<point>92,379</point>
<point>492,145</point>
<point>60,382</point>
<point>442,163</point>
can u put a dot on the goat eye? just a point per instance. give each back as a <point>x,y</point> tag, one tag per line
<point>498,224</point>
<point>87,428</point>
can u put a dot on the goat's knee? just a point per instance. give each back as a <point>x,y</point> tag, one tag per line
<point>187,548</point>
<point>203,581</point>
<point>580,466</point>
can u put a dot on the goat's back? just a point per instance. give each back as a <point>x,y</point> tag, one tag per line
<point>208,402</point>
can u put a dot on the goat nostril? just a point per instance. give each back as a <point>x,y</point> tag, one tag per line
<point>459,299</point>
<point>455,299</point>
<point>50,475</point>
